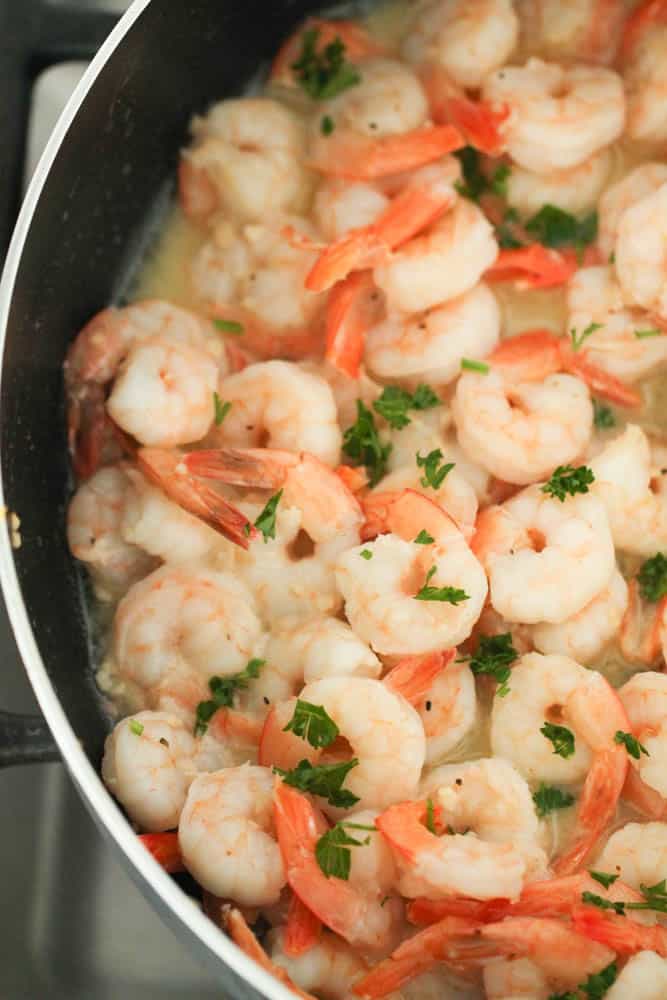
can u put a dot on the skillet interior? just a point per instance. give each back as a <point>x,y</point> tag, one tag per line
<point>91,219</point>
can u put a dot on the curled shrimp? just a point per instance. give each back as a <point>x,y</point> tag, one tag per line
<point>559,115</point>
<point>328,968</point>
<point>588,31</point>
<point>644,698</point>
<point>226,835</point>
<point>641,253</point>
<point>455,494</point>
<point>642,180</point>
<point>642,54</point>
<point>575,189</point>
<point>148,765</point>
<point>448,710</point>
<point>358,44</point>
<point>637,853</point>
<point>380,593</point>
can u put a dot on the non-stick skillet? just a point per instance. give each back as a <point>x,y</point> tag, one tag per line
<point>97,194</point>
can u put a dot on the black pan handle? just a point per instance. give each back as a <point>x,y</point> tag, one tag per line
<point>25,739</point>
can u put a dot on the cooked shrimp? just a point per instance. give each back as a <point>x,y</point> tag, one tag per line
<point>148,764</point>
<point>585,635</point>
<point>624,482</point>
<point>341,205</point>
<point>641,253</point>
<point>276,404</point>
<point>513,978</point>
<point>637,852</point>
<point>644,698</point>
<point>644,73</point>
<point>560,115</point>
<point>253,277</point>
<point>448,710</point>
<point>353,907</point>
<point>467,40</point>
<point>430,345</point>
<point>575,190</point>
<point>94,519</point>
<point>246,161</point>
<point>532,543</point>
<point>455,495</point>
<point>226,835</point>
<point>328,969</point>
<point>586,30</point>
<point>358,44</point>
<point>381,593</point>
<point>643,978</point>
<point>176,629</point>
<point>643,180</point>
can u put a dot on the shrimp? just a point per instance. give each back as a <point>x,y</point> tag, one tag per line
<point>575,189</point>
<point>448,710</point>
<point>586,30</point>
<point>358,45</point>
<point>625,483</point>
<point>468,41</point>
<point>94,533</point>
<point>644,73</point>
<point>389,598</point>
<point>177,628</point>
<point>560,116</point>
<point>642,180</point>
<point>162,393</point>
<point>246,161</point>
<point>254,278</point>
<point>585,635</point>
<point>430,345</point>
<point>352,908</point>
<point>515,978</point>
<point>226,835</point>
<point>328,968</point>
<point>148,765</point>
<point>595,302</point>
<point>341,205</point>
<point>532,543</point>
<point>455,495</point>
<point>641,253</point>
<point>637,852</point>
<point>276,404</point>
<point>644,698</point>
<point>643,978</point>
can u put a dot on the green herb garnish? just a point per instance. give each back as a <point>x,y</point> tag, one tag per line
<point>394,404</point>
<point>362,442</point>
<point>632,745</point>
<point>323,74</point>
<point>229,326</point>
<point>430,816</point>
<point>220,409</point>
<point>577,339</point>
<point>474,366</point>
<point>366,554</point>
<point>604,878</point>
<point>313,724</point>
<point>327,125</point>
<point>423,538</point>
<point>553,227</point>
<point>136,727</point>
<point>332,850</point>
<point>449,595</point>
<point>641,334</point>
<point>653,578</point>
<point>568,480</point>
<point>548,799</point>
<point>493,657</point>
<point>603,416</point>
<point>561,737</point>
<point>325,780</point>
<point>223,690</point>
<point>434,473</point>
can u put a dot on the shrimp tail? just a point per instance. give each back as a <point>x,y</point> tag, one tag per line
<point>422,911</point>
<point>370,159</point>
<point>413,676</point>
<point>237,927</point>
<point>87,427</point>
<point>348,319</point>
<point>302,928</point>
<point>259,468</point>
<point>599,382</point>
<point>165,849</point>
<point>621,934</point>
<point>533,266</point>
<point>534,354</point>
<point>355,479</point>
<point>400,511</point>
<point>480,122</point>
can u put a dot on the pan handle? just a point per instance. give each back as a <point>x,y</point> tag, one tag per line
<point>25,739</point>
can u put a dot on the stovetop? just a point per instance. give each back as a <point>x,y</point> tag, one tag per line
<point>73,926</point>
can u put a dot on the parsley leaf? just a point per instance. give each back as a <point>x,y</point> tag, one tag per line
<point>653,578</point>
<point>563,996</point>
<point>220,409</point>
<point>474,181</point>
<point>423,538</point>
<point>499,179</point>
<point>568,480</point>
<point>655,896</point>
<point>548,799</point>
<point>604,878</point>
<point>366,554</point>
<point>474,366</point>
<point>603,904</point>
<point>327,125</point>
<point>325,780</point>
<point>223,690</point>
<point>450,595</point>
<point>433,476</point>
<point>632,745</point>
<point>553,227</point>
<point>313,724</point>
<point>578,338</point>
<point>362,442</point>
<point>394,403</point>
<point>641,334</point>
<point>266,522</point>
<point>136,727</point>
<point>430,816</point>
<point>561,737</point>
<point>603,416</point>
<point>493,656</point>
<point>598,983</point>
<point>332,850</point>
<point>229,326</point>
<point>324,74</point>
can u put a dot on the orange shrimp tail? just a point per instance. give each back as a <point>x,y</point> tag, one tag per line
<point>278,748</point>
<point>237,927</point>
<point>259,468</point>
<point>423,912</point>
<point>534,266</point>
<point>358,45</point>
<point>404,513</point>
<point>164,848</point>
<point>480,123</point>
<point>365,159</point>
<point>87,430</point>
<point>532,355</point>
<point>640,629</point>
<point>162,468</point>
<point>642,18</point>
<point>355,479</point>
<point>356,251</point>
<point>413,676</point>
<point>600,383</point>
<point>621,934</point>
<point>302,928</point>
<point>350,313</point>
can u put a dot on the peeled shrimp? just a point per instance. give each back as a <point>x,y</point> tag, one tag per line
<point>341,205</point>
<point>430,345</point>
<point>246,161</point>
<point>643,978</point>
<point>645,82</point>
<point>637,852</point>
<point>532,543</point>
<point>226,835</point>
<point>575,190</point>
<point>380,592</point>
<point>455,495</point>
<point>644,699</point>
<point>585,30</point>
<point>512,978</point>
<point>559,116</point>
<point>448,710</point>
<point>467,40</point>
<point>641,253</point>
<point>643,180</point>
<point>94,519</point>
<point>148,764</point>
<point>329,968</point>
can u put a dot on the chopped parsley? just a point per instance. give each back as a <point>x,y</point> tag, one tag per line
<point>493,657</point>
<point>220,409</point>
<point>228,326</point>
<point>577,339</point>
<point>594,988</point>
<point>326,73</point>
<point>548,799</point>
<point>475,182</point>
<point>499,179</point>
<point>325,780</point>
<point>136,727</point>
<point>366,554</point>
<point>604,878</point>
<point>449,595</point>
<point>394,404</point>
<point>653,578</point>
<point>568,480</point>
<point>327,125</point>
<point>641,334</point>
<point>603,904</point>
<point>266,522</point>
<point>423,538</point>
<point>313,724</point>
<point>332,850</point>
<point>603,416</point>
<point>655,898</point>
<point>555,228</point>
<point>474,366</point>
<point>434,473</point>
<point>430,816</point>
<point>632,745</point>
<point>561,738</point>
<point>223,690</point>
<point>362,442</point>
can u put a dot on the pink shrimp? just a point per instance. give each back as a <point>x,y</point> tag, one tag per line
<point>236,926</point>
<point>479,122</point>
<point>302,928</point>
<point>413,676</point>
<point>350,309</point>
<point>358,45</point>
<point>361,158</point>
<point>625,936</point>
